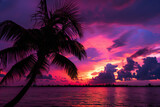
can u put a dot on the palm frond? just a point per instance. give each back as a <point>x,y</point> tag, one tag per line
<point>68,16</point>
<point>41,65</point>
<point>9,30</point>
<point>71,10</point>
<point>12,54</point>
<point>41,16</point>
<point>19,69</point>
<point>75,48</point>
<point>45,65</point>
<point>31,40</point>
<point>69,66</point>
<point>70,46</point>
<point>43,7</point>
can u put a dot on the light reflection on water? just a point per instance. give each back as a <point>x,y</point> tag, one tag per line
<point>84,96</point>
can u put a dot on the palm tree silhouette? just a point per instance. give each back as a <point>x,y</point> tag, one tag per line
<point>34,50</point>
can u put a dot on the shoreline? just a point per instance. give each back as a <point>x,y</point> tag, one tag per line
<point>87,86</point>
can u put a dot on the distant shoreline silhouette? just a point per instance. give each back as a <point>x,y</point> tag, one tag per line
<point>108,85</point>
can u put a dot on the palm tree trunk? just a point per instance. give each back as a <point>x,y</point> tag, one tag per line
<point>13,102</point>
<point>34,72</point>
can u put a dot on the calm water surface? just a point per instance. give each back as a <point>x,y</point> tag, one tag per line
<point>85,96</point>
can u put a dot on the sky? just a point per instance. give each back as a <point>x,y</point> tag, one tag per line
<point>121,38</point>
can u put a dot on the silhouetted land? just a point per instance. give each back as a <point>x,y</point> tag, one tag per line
<point>108,85</point>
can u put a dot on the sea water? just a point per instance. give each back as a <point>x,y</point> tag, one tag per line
<point>84,96</point>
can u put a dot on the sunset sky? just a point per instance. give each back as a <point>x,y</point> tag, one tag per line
<point>118,35</point>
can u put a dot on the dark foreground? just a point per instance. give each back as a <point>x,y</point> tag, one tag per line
<point>84,96</point>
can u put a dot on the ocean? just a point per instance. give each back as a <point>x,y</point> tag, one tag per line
<point>84,96</point>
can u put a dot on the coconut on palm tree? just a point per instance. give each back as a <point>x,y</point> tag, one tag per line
<point>34,50</point>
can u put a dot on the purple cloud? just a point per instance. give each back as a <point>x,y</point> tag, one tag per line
<point>125,73</point>
<point>139,12</point>
<point>121,41</point>
<point>144,52</point>
<point>105,77</point>
<point>2,75</point>
<point>48,77</point>
<point>148,71</point>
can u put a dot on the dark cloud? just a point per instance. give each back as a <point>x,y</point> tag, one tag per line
<point>19,11</point>
<point>107,11</point>
<point>2,75</point>
<point>140,12</point>
<point>63,80</point>
<point>120,4</point>
<point>140,52</point>
<point>121,41</point>
<point>105,77</point>
<point>5,4</point>
<point>149,70</point>
<point>144,52</point>
<point>125,73</point>
<point>49,77</point>
<point>131,65</point>
<point>110,68</point>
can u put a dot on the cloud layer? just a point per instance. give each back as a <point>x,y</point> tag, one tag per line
<point>120,32</point>
<point>105,77</point>
<point>148,71</point>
